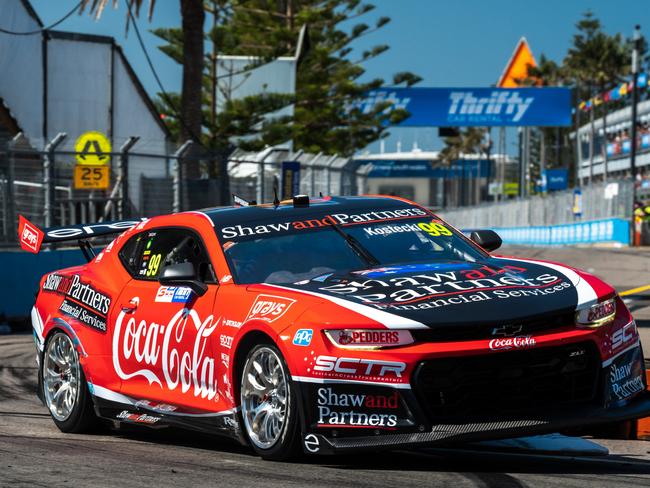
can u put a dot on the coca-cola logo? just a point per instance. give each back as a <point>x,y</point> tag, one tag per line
<point>174,355</point>
<point>519,342</point>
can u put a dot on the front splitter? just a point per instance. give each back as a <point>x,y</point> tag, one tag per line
<point>315,443</point>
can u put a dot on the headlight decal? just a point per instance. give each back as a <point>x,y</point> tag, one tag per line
<point>597,315</point>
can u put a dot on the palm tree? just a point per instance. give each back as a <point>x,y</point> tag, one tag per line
<point>193,17</point>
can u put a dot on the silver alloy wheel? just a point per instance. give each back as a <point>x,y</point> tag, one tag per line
<point>264,397</point>
<point>60,376</point>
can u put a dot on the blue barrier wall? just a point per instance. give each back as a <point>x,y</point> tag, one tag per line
<point>592,232</point>
<point>21,272</point>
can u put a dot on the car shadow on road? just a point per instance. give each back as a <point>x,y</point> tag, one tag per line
<point>16,382</point>
<point>480,461</point>
<point>481,465</point>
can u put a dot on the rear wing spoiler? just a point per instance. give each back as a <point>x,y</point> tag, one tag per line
<point>31,237</point>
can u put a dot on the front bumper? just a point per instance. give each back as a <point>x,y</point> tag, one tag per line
<point>339,417</point>
<point>490,429</point>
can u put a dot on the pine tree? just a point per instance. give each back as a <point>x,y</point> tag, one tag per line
<point>326,117</point>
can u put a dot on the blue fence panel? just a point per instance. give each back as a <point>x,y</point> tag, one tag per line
<point>21,272</point>
<point>597,231</point>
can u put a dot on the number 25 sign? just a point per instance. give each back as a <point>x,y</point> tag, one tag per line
<point>91,177</point>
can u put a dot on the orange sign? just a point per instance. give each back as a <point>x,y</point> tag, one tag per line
<point>91,177</point>
<point>517,68</point>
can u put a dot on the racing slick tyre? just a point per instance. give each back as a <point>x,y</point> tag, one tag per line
<point>268,404</point>
<point>65,390</point>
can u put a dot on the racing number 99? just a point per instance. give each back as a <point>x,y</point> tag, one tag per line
<point>154,264</point>
<point>434,229</point>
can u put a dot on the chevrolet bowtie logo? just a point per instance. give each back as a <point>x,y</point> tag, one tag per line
<point>507,330</point>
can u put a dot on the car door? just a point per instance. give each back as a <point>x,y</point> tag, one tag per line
<point>162,338</point>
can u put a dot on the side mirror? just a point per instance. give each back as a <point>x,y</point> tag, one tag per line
<point>487,239</point>
<point>182,274</point>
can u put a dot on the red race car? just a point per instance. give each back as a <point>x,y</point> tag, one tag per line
<point>328,325</point>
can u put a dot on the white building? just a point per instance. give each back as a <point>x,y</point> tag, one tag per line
<point>606,148</point>
<point>61,82</point>
<point>423,177</point>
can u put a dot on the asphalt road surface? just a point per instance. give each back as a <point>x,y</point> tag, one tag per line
<point>34,453</point>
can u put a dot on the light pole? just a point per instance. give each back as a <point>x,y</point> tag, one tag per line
<point>636,39</point>
<point>487,147</point>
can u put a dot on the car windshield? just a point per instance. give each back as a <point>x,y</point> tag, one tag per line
<point>299,254</point>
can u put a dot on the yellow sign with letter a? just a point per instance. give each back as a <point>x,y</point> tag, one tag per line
<point>93,149</point>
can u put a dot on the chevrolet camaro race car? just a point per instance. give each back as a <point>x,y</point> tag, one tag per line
<point>329,325</point>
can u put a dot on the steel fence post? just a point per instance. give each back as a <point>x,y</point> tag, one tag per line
<point>328,165</point>
<point>178,175</point>
<point>260,193</point>
<point>260,180</point>
<point>259,187</point>
<point>11,178</point>
<point>123,177</point>
<point>312,174</point>
<point>48,177</point>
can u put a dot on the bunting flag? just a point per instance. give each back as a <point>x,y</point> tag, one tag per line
<point>622,90</point>
<point>615,93</point>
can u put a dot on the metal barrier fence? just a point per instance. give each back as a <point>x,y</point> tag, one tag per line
<point>254,176</point>
<point>599,201</point>
<point>40,183</point>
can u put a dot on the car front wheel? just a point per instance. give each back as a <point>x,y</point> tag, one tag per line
<point>268,404</point>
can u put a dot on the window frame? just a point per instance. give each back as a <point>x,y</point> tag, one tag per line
<point>193,232</point>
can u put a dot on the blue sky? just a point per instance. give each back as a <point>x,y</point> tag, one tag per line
<point>457,43</point>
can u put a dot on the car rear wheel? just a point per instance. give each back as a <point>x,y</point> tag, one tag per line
<point>268,404</point>
<point>64,386</point>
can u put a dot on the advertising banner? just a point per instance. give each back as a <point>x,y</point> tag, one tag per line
<point>461,168</point>
<point>453,107</point>
<point>557,179</point>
